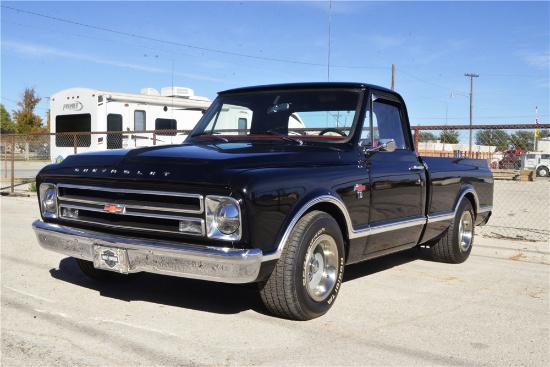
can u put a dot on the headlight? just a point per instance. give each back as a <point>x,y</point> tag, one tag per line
<point>48,200</point>
<point>223,218</point>
<point>227,218</point>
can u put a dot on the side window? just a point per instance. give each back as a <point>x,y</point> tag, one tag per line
<point>243,125</point>
<point>387,124</point>
<point>139,120</point>
<point>166,124</point>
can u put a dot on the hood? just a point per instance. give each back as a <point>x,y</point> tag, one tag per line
<point>214,164</point>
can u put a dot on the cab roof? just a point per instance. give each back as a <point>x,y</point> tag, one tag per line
<point>301,86</point>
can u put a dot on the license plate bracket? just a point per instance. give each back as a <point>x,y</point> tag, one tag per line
<point>112,259</point>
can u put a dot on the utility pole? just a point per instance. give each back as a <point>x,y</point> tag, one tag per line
<point>472,76</point>
<point>392,76</point>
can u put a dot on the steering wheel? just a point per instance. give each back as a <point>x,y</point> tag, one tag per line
<point>332,130</point>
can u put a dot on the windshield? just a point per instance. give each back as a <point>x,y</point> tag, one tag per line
<point>299,116</point>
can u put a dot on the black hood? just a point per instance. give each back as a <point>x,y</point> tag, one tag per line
<point>214,164</point>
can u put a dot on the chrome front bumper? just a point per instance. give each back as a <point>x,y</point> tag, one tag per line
<point>208,263</point>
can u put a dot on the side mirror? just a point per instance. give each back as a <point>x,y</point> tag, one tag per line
<point>384,145</point>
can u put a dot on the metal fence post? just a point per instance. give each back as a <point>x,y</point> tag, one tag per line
<point>12,189</point>
<point>5,160</point>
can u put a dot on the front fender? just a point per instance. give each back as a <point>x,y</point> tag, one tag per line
<point>276,199</point>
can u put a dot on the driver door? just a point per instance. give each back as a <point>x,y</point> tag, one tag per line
<point>397,180</point>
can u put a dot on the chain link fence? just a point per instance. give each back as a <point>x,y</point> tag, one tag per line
<point>519,156</point>
<point>515,154</point>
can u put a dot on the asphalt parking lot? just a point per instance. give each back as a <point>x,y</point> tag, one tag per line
<point>401,310</point>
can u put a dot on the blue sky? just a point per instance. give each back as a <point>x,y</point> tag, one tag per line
<point>212,46</point>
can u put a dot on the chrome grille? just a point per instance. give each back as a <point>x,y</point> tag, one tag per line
<point>136,210</point>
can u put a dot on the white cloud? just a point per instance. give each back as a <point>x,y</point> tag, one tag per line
<point>43,51</point>
<point>540,60</point>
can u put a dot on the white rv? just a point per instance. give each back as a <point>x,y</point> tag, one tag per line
<point>80,119</point>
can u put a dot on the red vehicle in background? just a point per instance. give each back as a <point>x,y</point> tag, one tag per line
<point>511,159</point>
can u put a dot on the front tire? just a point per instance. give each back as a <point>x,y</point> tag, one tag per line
<point>456,245</point>
<point>308,275</point>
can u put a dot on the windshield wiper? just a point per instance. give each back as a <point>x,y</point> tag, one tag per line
<point>284,137</point>
<point>209,134</point>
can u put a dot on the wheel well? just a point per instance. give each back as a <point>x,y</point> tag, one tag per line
<point>470,196</point>
<point>338,216</point>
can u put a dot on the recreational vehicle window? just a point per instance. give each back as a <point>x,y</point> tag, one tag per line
<point>114,123</point>
<point>166,124</point>
<point>139,120</point>
<point>243,125</point>
<point>71,124</point>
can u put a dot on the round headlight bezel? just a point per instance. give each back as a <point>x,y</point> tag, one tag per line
<point>223,218</point>
<point>48,199</point>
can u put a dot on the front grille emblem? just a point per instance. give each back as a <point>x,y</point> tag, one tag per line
<point>115,209</point>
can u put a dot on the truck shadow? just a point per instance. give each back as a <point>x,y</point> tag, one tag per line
<point>207,296</point>
<point>193,294</point>
<point>384,263</point>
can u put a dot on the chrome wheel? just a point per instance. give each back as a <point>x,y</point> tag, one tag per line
<point>320,267</point>
<point>466,231</point>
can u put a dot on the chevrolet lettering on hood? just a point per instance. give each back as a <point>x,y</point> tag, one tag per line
<point>125,172</point>
<point>279,185</point>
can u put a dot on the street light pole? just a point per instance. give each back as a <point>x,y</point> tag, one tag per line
<point>472,76</point>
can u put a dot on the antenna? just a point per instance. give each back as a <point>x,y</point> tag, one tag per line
<point>329,24</point>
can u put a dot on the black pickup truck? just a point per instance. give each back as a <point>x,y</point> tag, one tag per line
<point>279,185</point>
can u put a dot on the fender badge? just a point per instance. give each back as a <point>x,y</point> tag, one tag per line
<point>359,191</point>
<point>115,209</point>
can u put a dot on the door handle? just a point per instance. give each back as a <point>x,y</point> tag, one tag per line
<point>416,168</point>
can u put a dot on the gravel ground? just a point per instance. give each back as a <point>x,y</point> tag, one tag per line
<point>521,211</point>
<point>399,310</point>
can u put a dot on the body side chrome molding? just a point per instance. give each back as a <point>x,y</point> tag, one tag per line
<point>378,228</point>
<point>353,233</point>
<point>449,215</point>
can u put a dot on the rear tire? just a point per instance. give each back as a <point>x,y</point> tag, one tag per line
<point>308,275</point>
<point>88,268</point>
<point>543,171</point>
<point>456,245</point>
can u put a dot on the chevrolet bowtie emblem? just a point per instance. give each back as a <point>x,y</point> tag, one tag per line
<point>115,209</point>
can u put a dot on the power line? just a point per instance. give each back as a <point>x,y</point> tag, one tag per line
<point>425,81</point>
<point>148,47</point>
<point>160,40</point>
<point>186,45</point>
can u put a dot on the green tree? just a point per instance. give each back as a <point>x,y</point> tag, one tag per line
<point>522,139</point>
<point>449,136</point>
<point>7,125</point>
<point>426,136</point>
<point>493,137</point>
<point>25,120</point>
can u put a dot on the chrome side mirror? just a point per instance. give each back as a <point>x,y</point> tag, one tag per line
<point>384,145</point>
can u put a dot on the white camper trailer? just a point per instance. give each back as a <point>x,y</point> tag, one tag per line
<point>89,114</point>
